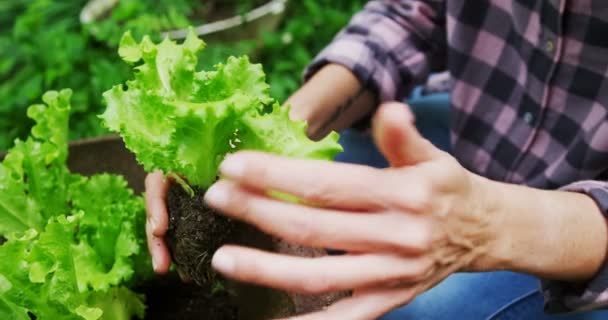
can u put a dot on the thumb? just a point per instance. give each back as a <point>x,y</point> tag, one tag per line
<point>397,137</point>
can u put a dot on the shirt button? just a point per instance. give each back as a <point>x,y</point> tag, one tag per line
<point>528,117</point>
<point>550,46</point>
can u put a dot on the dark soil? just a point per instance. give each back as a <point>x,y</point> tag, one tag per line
<point>171,299</point>
<point>195,233</point>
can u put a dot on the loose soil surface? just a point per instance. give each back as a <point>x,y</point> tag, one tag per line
<point>195,233</point>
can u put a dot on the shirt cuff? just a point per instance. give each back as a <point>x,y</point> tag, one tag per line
<point>563,297</point>
<point>361,59</point>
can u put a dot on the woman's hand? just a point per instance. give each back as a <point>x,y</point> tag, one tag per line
<point>157,221</point>
<point>405,228</point>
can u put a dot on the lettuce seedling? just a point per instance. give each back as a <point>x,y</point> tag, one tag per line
<point>184,121</point>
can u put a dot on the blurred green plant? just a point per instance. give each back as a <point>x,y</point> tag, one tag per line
<point>143,17</point>
<point>45,47</point>
<point>309,26</point>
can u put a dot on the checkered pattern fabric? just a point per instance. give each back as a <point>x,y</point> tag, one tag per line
<point>529,96</point>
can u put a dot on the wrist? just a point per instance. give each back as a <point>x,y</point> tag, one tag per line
<point>550,234</point>
<point>494,251</point>
<point>332,99</point>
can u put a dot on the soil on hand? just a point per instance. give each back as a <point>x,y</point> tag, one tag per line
<point>195,233</point>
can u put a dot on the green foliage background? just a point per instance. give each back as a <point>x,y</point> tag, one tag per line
<point>43,46</point>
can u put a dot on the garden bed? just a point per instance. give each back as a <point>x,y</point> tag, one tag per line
<point>168,297</point>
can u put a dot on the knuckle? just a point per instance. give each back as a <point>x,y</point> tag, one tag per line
<point>417,238</point>
<point>423,237</point>
<point>422,198</point>
<point>423,269</point>
<point>241,205</point>
<point>417,271</point>
<point>316,285</point>
<point>256,174</point>
<point>320,194</point>
<point>303,233</point>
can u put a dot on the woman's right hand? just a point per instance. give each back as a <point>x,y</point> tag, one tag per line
<point>157,221</point>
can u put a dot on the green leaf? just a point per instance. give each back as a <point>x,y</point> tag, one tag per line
<point>276,133</point>
<point>44,278</point>
<point>184,121</point>
<point>129,50</point>
<point>33,177</point>
<point>119,303</point>
<point>73,242</point>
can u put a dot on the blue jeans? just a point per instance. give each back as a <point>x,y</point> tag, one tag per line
<point>466,296</point>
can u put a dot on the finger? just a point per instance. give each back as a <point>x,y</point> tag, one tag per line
<point>397,137</point>
<point>156,207</point>
<point>367,305</point>
<point>161,258</point>
<point>322,183</point>
<point>316,227</point>
<point>317,275</point>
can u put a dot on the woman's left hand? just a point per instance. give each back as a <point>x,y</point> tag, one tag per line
<point>404,229</point>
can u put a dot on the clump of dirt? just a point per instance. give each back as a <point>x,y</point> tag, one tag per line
<point>195,233</point>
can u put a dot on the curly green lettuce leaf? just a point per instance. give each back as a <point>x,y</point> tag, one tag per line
<point>44,278</point>
<point>110,234</point>
<point>40,279</point>
<point>120,303</point>
<point>184,121</point>
<point>34,175</point>
<point>74,243</point>
<point>18,295</point>
<point>274,132</point>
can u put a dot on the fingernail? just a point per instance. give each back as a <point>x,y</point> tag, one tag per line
<point>153,224</point>
<point>217,195</point>
<point>232,167</point>
<point>154,264</point>
<point>223,262</point>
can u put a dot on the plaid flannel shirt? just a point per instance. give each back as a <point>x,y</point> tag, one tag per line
<point>529,96</point>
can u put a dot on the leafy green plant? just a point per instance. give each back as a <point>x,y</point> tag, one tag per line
<point>143,17</point>
<point>184,121</point>
<point>48,48</point>
<point>74,244</point>
<point>45,49</point>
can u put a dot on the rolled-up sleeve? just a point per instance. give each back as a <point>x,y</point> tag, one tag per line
<point>390,46</point>
<point>563,297</point>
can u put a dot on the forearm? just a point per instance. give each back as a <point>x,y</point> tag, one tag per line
<point>333,99</point>
<point>551,234</point>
